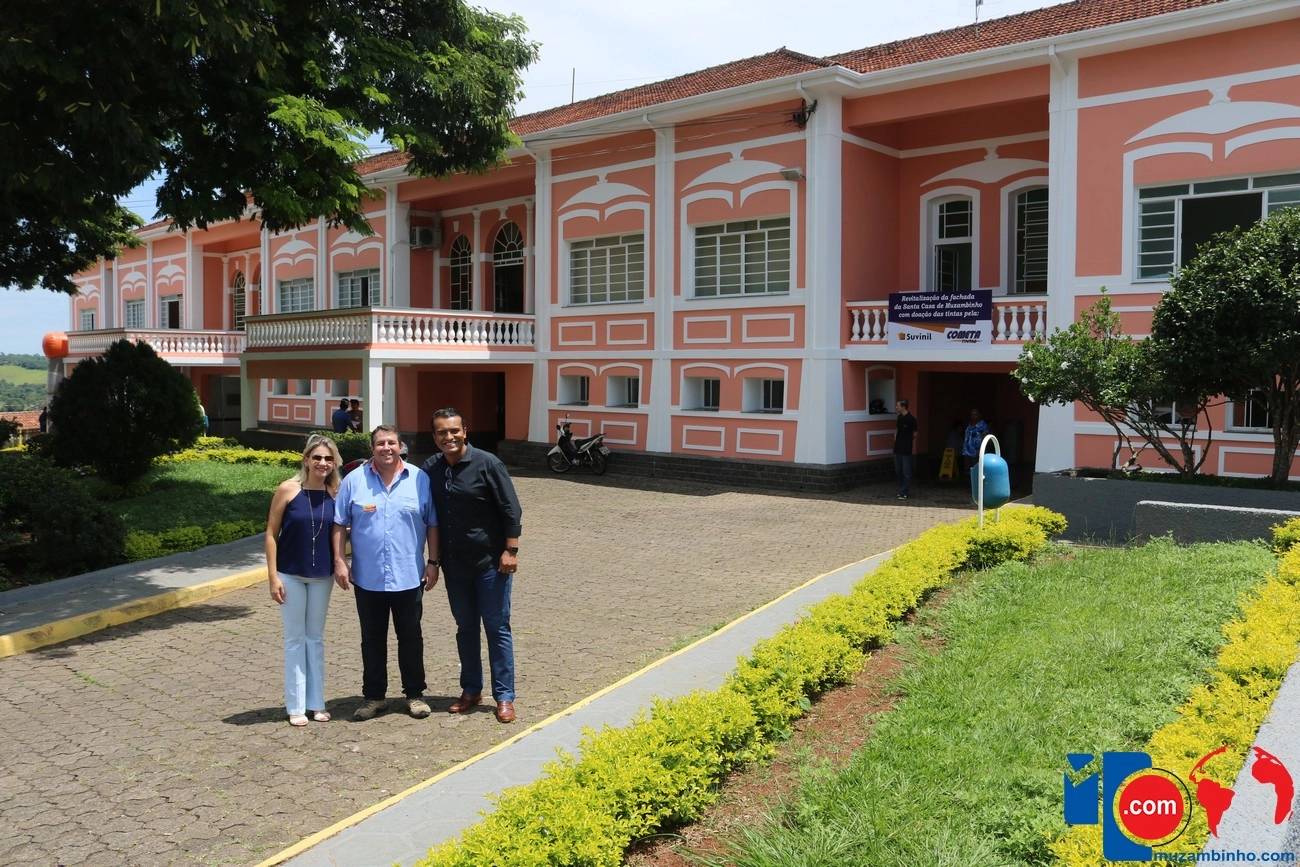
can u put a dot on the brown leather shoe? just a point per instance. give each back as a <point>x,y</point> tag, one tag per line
<point>464,703</point>
<point>505,711</point>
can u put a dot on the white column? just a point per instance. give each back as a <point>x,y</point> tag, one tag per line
<point>663,240</point>
<point>373,404</point>
<point>322,270</point>
<point>268,275</point>
<point>150,291</point>
<point>397,245</point>
<point>821,392</point>
<point>530,260</point>
<point>538,424</point>
<point>249,390</point>
<point>1056,428</point>
<point>477,258</point>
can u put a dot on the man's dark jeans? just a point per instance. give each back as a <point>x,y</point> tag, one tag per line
<point>373,610</point>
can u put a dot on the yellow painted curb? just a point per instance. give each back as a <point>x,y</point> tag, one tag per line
<point>343,824</point>
<point>84,624</point>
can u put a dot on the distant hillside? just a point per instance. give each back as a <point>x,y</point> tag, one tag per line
<point>28,362</point>
<point>22,382</point>
<point>22,375</point>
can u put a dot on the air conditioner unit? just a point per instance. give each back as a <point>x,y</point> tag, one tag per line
<point>426,236</point>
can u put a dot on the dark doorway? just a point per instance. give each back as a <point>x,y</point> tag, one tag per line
<point>946,399</point>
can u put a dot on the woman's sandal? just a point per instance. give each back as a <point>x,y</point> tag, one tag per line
<point>298,719</point>
<point>320,715</point>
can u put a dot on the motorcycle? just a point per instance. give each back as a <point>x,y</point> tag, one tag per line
<point>568,452</point>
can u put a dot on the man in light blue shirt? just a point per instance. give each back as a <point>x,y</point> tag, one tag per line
<point>385,508</point>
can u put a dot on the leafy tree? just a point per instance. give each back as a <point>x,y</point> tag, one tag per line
<point>1231,323</point>
<point>1094,363</point>
<point>119,411</point>
<point>232,100</point>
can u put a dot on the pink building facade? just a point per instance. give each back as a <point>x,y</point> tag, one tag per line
<point>704,266</point>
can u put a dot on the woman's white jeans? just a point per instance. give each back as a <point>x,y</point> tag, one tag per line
<point>306,601</point>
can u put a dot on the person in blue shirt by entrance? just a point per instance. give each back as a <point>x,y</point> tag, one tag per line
<point>384,507</point>
<point>341,420</point>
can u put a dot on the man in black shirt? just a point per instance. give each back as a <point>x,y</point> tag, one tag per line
<point>479,522</point>
<point>904,440</point>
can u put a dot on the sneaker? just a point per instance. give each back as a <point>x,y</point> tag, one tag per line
<point>418,707</point>
<point>369,708</point>
<point>902,496</point>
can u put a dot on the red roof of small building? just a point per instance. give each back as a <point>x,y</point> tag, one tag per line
<point>29,419</point>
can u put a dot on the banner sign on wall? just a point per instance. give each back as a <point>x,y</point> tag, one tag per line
<point>940,320</point>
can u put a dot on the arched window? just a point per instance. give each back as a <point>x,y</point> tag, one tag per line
<point>1030,238</point>
<point>462,286</point>
<point>241,300</point>
<point>508,270</point>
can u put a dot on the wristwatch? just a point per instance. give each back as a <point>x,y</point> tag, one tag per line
<point>435,562</point>
<point>511,549</point>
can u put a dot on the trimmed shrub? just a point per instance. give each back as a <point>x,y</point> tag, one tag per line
<point>1285,536</point>
<point>51,523</point>
<point>352,445</point>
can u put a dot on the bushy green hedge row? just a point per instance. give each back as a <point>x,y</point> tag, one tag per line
<point>665,768</point>
<point>147,546</point>
<point>229,451</point>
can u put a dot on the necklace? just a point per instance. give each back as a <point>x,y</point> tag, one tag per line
<point>315,530</point>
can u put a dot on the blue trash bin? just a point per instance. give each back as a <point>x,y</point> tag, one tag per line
<point>997,482</point>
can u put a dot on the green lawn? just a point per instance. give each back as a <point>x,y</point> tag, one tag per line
<point>1091,651</point>
<point>200,493</point>
<point>21,375</point>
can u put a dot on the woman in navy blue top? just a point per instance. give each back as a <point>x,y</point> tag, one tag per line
<point>300,572</point>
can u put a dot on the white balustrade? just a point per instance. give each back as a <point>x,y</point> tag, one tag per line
<point>390,327</point>
<point>222,345</point>
<point>1015,320</point>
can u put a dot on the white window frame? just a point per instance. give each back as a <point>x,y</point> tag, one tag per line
<point>358,288</point>
<point>764,395</point>
<point>167,306</point>
<point>133,313</point>
<point>296,295</point>
<point>623,391</point>
<point>1159,215</point>
<point>279,387</point>
<point>1029,234</point>
<point>574,389</point>
<point>942,235</point>
<point>303,387</point>
<point>87,320</point>
<point>703,393</point>
<point>743,257</point>
<point>339,388</point>
<point>461,260</point>
<point>1250,410</point>
<point>608,269</point>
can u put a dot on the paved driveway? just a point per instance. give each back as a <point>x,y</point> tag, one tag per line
<point>164,741</point>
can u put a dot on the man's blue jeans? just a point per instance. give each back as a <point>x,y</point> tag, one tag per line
<point>903,470</point>
<point>483,599</point>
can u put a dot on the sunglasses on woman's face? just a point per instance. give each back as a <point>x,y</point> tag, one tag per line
<point>329,459</point>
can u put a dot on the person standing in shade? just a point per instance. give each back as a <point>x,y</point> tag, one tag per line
<point>904,443</point>
<point>480,526</point>
<point>976,430</point>
<point>385,508</point>
<point>299,566</point>
<point>354,413</point>
<point>341,420</point>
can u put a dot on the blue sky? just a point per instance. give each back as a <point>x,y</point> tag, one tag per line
<point>590,47</point>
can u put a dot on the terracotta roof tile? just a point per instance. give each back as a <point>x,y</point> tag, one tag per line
<point>1074,17</point>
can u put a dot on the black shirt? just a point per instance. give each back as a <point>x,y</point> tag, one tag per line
<point>902,439</point>
<point>478,510</point>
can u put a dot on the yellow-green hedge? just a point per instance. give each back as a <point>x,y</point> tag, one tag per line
<point>146,546</point>
<point>1261,646</point>
<point>666,767</point>
<point>229,451</point>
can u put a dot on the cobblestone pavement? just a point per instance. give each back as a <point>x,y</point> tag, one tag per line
<point>164,741</point>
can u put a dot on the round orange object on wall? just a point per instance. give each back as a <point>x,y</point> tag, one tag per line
<point>55,345</point>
